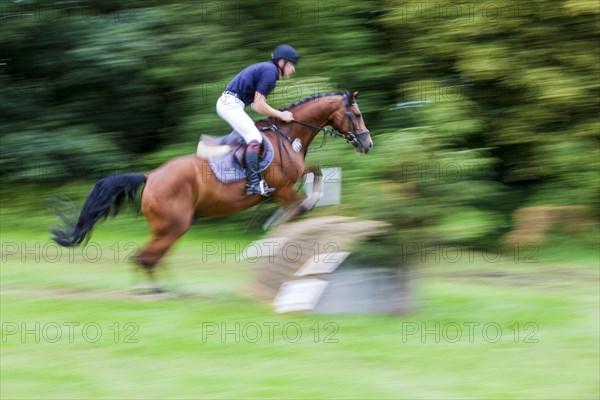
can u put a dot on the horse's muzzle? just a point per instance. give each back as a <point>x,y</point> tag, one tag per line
<point>363,142</point>
<point>365,149</point>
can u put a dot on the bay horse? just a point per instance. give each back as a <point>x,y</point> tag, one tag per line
<point>185,188</point>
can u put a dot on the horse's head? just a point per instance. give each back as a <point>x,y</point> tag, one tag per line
<point>348,121</point>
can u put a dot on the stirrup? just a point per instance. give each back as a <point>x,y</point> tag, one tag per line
<point>260,188</point>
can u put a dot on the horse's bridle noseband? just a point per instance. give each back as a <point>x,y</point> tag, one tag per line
<point>352,134</point>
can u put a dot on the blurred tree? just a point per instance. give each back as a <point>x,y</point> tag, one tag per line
<point>531,67</point>
<point>516,85</point>
<point>434,189</point>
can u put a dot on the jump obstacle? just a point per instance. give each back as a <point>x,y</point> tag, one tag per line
<point>305,266</point>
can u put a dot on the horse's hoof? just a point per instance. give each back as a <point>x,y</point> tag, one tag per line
<point>146,290</point>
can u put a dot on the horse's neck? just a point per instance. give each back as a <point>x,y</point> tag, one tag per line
<point>316,113</point>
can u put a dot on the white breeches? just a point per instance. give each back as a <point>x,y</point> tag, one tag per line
<point>231,109</point>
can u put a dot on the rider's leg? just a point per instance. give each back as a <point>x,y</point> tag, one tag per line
<point>255,184</point>
<point>231,109</point>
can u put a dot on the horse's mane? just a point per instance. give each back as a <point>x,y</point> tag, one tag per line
<point>316,96</point>
<point>306,100</point>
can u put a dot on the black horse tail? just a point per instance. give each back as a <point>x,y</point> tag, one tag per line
<point>106,198</point>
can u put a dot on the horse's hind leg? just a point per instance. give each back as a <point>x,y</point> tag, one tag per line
<point>151,254</point>
<point>165,231</point>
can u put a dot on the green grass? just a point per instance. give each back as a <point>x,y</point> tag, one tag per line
<point>207,344</point>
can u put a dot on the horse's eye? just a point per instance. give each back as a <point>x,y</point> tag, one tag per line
<point>357,115</point>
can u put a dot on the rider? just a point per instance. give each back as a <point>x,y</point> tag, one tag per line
<point>250,87</point>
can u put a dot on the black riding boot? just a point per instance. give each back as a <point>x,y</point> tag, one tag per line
<point>255,184</point>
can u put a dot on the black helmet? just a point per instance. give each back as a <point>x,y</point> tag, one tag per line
<point>286,52</point>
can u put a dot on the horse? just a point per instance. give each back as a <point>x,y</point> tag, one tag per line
<point>185,188</point>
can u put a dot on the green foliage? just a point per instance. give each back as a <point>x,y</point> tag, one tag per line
<point>436,190</point>
<point>532,70</point>
<point>75,152</point>
<point>507,91</point>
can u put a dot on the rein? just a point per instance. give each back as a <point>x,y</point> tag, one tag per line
<point>351,137</point>
<point>331,132</point>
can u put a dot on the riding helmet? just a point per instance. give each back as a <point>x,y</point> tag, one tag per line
<point>286,52</point>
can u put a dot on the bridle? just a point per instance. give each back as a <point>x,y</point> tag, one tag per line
<point>352,136</point>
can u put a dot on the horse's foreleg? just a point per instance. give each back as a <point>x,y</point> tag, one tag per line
<point>317,188</point>
<point>295,206</point>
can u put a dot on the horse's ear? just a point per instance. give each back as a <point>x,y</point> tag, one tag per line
<point>355,94</point>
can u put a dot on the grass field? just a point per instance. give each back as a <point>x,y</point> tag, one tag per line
<point>506,329</point>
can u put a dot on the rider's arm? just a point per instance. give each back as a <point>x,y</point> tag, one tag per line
<point>260,106</point>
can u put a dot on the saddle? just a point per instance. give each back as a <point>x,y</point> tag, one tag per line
<point>225,155</point>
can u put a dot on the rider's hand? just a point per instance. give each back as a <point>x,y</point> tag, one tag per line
<point>286,116</point>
